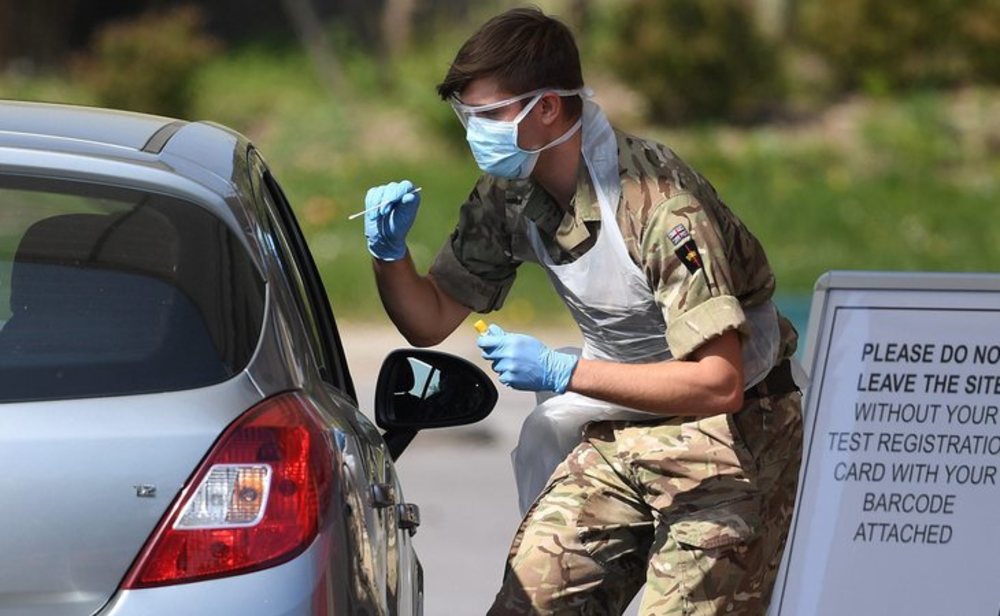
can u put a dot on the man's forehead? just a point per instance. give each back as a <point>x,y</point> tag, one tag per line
<point>483,91</point>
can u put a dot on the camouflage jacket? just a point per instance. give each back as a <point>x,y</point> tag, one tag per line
<point>702,264</point>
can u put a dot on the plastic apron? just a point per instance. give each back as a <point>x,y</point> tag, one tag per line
<point>611,302</point>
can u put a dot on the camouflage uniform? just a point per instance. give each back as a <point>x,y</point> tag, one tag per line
<point>696,507</point>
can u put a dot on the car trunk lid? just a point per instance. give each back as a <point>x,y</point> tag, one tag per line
<point>86,481</point>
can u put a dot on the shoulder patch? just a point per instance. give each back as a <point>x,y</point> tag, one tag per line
<point>678,235</point>
<point>685,248</point>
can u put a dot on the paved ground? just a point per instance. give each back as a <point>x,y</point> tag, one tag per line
<point>460,477</point>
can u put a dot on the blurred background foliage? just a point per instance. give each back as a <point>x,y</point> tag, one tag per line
<point>860,134</point>
<point>695,60</point>
<point>149,63</point>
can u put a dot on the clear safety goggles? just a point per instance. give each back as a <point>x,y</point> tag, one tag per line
<point>464,112</point>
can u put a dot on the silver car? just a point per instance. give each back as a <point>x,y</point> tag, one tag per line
<point>179,432</point>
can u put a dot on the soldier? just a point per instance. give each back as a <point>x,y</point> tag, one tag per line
<point>675,433</point>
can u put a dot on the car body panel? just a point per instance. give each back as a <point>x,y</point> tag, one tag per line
<point>72,466</point>
<point>304,585</point>
<point>69,487</point>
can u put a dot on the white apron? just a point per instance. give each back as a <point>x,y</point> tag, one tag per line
<point>610,300</point>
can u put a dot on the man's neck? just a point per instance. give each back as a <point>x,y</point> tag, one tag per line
<point>557,168</point>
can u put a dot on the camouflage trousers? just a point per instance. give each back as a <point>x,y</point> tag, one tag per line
<point>697,508</point>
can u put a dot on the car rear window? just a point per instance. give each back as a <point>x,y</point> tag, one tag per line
<point>107,292</point>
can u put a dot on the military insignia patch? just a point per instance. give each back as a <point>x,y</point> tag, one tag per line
<point>685,248</point>
<point>678,235</point>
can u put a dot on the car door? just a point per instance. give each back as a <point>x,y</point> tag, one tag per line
<point>387,552</point>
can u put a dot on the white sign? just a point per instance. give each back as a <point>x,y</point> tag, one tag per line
<point>898,510</point>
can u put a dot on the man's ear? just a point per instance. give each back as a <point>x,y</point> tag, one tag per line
<point>550,108</point>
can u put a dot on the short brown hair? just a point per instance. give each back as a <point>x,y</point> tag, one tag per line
<point>523,49</point>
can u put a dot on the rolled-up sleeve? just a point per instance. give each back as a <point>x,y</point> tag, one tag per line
<point>690,329</point>
<point>475,266</point>
<point>687,263</point>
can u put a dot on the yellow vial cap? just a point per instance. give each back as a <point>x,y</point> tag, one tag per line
<point>480,326</point>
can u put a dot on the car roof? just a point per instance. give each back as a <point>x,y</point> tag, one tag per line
<point>103,126</point>
<point>202,162</point>
<point>120,135</point>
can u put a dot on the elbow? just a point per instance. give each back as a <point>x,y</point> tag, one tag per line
<point>720,369</point>
<point>727,391</point>
<point>418,334</point>
<point>732,402</point>
<point>422,339</point>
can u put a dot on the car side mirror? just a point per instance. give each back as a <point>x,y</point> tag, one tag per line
<point>419,389</point>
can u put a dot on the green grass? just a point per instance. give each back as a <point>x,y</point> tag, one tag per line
<point>895,184</point>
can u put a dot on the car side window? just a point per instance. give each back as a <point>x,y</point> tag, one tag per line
<point>306,284</point>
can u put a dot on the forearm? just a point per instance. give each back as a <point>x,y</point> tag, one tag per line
<point>707,385</point>
<point>422,313</point>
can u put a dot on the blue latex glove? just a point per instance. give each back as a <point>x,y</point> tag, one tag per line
<point>525,363</point>
<point>386,227</point>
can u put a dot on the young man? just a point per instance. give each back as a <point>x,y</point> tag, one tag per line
<point>683,419</point>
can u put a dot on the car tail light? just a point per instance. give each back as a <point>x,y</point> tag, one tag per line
<point>256,501</point>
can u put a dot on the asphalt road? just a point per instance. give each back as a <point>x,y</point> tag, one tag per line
<point>460,477</point>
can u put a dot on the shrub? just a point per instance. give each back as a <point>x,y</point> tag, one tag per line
<point>695,60</point>
<point>884,46</point>
<point>148,63</point>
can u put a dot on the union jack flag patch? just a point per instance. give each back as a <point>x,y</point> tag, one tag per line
<point>678,235</point>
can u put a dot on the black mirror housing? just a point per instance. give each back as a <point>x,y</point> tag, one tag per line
<point>419,389</point>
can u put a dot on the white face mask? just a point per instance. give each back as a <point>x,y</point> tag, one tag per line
<point>494,142</point>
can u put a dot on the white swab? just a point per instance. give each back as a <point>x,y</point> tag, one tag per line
<point>375,207</point>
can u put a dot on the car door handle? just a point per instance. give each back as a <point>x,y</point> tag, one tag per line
<point>409,516</point>
<point>383,495</point>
